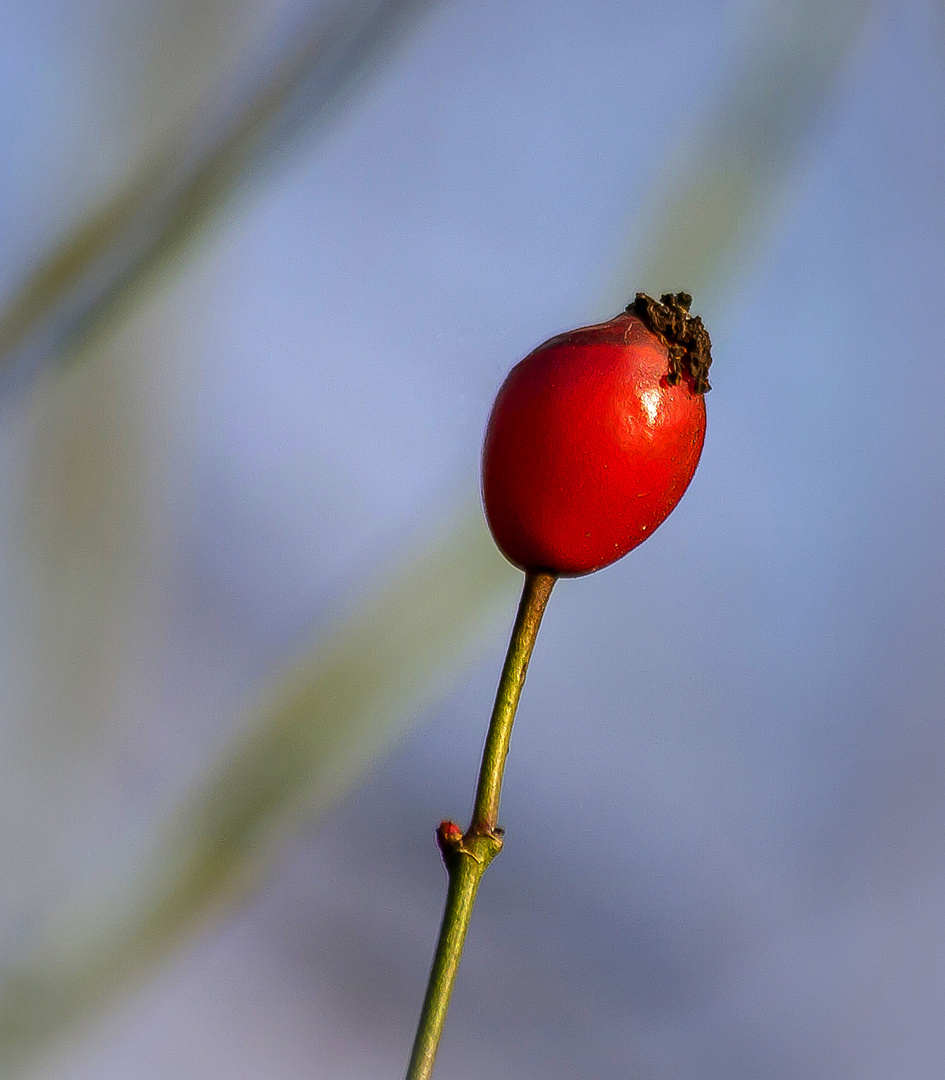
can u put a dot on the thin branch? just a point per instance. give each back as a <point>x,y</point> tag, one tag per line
<point>467,857</point>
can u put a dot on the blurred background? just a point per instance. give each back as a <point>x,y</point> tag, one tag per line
<point>264,264</point>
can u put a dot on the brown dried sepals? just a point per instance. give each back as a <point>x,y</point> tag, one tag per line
<point>684,335</point>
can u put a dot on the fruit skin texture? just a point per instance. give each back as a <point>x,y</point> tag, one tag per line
<point>590,446</point>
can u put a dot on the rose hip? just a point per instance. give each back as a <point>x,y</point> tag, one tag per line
<point>595,436</point>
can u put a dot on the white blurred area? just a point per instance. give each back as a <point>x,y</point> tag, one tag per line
<point>725,801</point>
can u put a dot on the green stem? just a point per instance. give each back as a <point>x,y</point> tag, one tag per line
<point>468,855</point>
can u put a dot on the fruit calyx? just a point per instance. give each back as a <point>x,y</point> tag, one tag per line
<point>684,335</point>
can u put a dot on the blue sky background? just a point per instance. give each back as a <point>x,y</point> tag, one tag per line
<point>724,801</point>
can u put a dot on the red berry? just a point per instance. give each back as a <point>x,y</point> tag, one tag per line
<point>595,436</point>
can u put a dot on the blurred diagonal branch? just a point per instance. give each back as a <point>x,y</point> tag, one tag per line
<point>176,191</point>
<point>316,729</point>
<point>721,194</point>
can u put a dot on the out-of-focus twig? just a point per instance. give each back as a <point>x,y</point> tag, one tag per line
<point>176,191</point>
<point>722,193</point>
<point>316,728</point>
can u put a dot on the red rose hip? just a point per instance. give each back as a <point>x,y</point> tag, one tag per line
<point>594,437</point>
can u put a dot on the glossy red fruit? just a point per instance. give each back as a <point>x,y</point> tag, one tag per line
<point>595,436</point>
